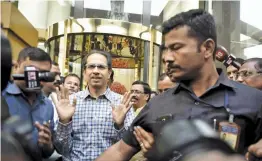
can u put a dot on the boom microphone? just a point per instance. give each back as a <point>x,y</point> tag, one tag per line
<point>223,56</point>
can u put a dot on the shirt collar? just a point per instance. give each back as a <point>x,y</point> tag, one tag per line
<point>137,111</point>
<point>12,88</point>
<point>222,79</point>
<point>107,94</point>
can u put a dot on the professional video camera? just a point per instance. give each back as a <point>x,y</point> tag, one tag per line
<point>32,77</point>
<point>182,140</point>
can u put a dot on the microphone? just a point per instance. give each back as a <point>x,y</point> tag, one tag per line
<point>223,56</point>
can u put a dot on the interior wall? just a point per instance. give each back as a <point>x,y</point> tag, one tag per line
<point>16,44</point>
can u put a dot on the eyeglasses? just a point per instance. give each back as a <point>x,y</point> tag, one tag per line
<point>136,92</point>
<point>247,73</point>
<point>99,66</point>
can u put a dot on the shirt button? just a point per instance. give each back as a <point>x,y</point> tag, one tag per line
<point>196,103</point>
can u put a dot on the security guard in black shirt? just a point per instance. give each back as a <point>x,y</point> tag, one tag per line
<point>203,92</point>
<point>217,103</point>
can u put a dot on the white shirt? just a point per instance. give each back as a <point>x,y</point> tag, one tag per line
<point>55,112</point>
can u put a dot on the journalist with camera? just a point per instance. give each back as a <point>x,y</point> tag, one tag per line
<point>25,99</point>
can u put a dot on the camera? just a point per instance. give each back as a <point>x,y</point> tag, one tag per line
<point>33,77</point>
<point>183,139</point>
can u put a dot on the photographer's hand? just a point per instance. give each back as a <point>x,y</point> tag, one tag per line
<point>44,136</point>
<point>64,109</point>
<point>145,139</point>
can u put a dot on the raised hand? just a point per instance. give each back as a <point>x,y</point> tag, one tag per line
<point>65,110</point>
<point>119,112</point>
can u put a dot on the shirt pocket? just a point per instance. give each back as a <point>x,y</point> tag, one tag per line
<point>214,115</point>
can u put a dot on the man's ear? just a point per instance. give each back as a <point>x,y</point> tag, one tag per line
<point>15,65</point>
<point>109,73</point>
<point>147,96</point>
<point>208,47</point>
<point>84,75</point>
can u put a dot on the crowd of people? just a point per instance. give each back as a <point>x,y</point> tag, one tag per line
<point>98,123</point>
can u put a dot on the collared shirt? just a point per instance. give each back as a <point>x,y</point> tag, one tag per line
<point>55,112</point>
<point>55,155</point>
<point>180,102</point>
<point>137,111</point>
<point>91,130</point>
<point>41,110</point>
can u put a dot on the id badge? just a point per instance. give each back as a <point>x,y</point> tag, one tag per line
<point>230,133</point>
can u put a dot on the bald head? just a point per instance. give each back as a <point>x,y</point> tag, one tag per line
<point>164,83</point>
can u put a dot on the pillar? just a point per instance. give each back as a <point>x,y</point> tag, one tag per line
<point>227,17</point>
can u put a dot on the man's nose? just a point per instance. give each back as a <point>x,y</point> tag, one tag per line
<point>169,59</point>
<point>231,76</point>
<point>133,94</point>
<point>169,53</point>
<point>240,79</point>
<point>95,70</point>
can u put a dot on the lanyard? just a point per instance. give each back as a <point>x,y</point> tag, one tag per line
<point>226,105</point>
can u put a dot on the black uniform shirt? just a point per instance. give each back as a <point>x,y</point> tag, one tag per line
<point>181,103</point>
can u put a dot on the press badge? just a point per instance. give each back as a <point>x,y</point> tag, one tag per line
<point>230,132</point>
